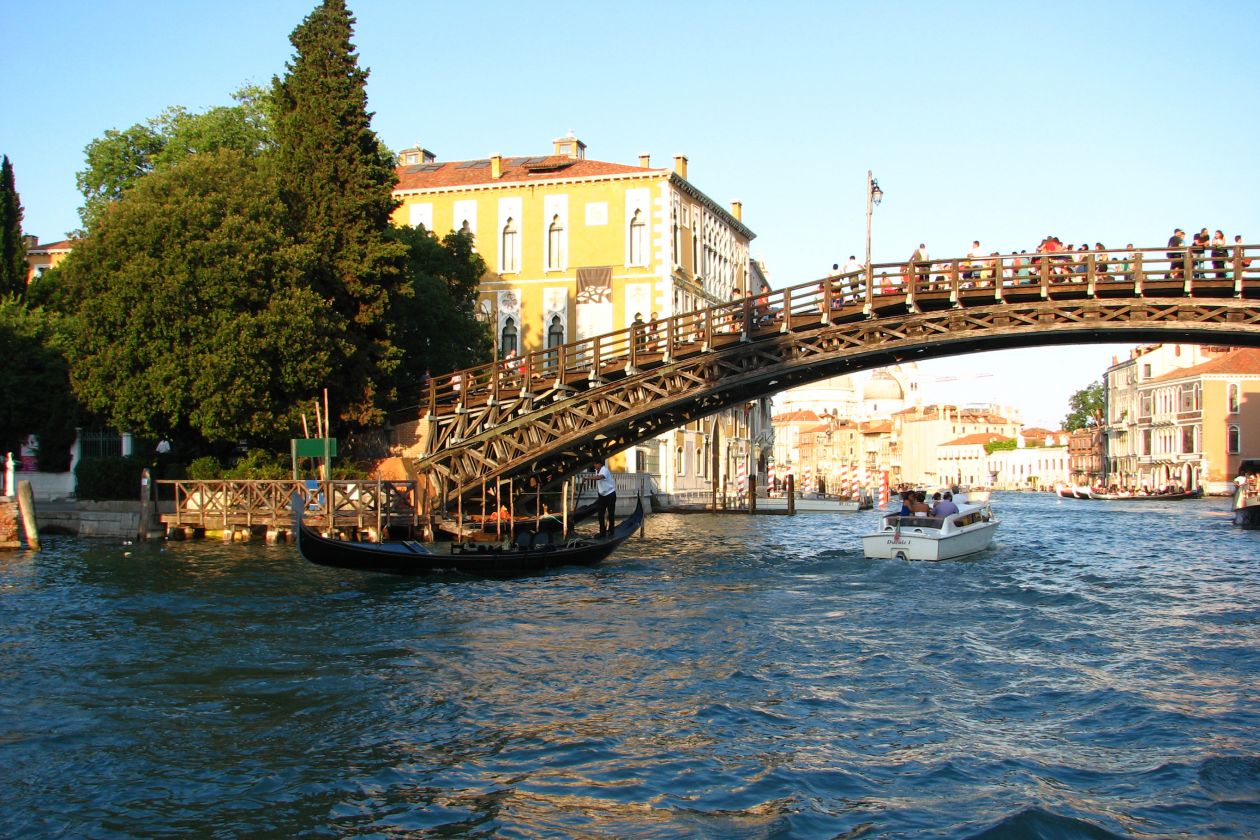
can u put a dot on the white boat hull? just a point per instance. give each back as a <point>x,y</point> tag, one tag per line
<point>926,538</point>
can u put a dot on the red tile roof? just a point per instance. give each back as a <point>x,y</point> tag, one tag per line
<point>459,173</point>
<point>972,439</point>
<point>803,416</point>
<point>1244,362</point>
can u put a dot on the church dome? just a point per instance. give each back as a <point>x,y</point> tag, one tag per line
<point>882,387</point>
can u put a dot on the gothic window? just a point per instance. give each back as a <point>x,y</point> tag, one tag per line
<point>1232,398</point>
<point>1234,442</point>
<point>638,242</point>
<point>507,338</point>
<point>555,245</point>
<point>508,253</point>
<point>555,332</point>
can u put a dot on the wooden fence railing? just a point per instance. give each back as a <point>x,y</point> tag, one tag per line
<point>326,504</point>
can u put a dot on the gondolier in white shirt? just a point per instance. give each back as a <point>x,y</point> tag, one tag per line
<point>606,490</point>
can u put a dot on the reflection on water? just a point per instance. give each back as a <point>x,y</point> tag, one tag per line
<point>1092,675</point>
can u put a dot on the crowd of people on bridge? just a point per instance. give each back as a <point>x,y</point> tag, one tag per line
<point>1208,255</point>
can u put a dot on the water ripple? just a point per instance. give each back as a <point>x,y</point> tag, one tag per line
<point>1092,675</point>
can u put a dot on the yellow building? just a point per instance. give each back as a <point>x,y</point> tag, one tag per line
<point>40,258</point>
<point>575,248</point>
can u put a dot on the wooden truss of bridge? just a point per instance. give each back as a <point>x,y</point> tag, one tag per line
<point>545,415</point>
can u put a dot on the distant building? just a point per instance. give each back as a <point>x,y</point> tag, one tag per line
<point>918,433</point>
<point>1085,456</point>
<point>1196,425</point>
<point>1130,439</point>
<point>40,258</point>
<point>965,462</point>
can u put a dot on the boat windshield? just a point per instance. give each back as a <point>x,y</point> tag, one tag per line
<point>895,521</point>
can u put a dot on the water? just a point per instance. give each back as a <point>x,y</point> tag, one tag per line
<point>1093,675</point>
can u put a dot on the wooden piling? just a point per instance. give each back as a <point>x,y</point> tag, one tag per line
<point>26,505</point>
<point>752,494</point>
<point>791,494</point>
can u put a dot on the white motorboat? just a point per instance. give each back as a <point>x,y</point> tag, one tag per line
<point>932,537</point>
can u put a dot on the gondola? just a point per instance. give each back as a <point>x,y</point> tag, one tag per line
<point>528,553</point>
<point>480,529</point>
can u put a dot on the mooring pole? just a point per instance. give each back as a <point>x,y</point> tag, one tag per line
<point>26,504</point>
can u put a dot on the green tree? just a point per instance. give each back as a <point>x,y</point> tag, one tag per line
<point>336,182</point>
<point>12,246</point>
<point>437,328</point>
<point>1086,407</point>
<point>185,314</point>
<point>117,160</point>
<point>35,388</point>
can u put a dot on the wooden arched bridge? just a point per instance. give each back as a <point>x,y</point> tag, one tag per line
<point>544,415</point>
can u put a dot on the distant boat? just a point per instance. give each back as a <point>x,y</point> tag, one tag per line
<point>527,553</point>
<point>924,537</point>
<point>1074,491</point>
<point>1147,497</point>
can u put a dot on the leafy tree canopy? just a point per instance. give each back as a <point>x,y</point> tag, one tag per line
<point>336,182</point>
<point>1086,407</point>
<point>117,160</point>
<point>437,329</point>
<point>185,311</point>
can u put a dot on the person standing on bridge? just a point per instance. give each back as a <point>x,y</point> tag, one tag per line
<point>1176,253</point>
<point>606,495</point>
<point>922,265</point>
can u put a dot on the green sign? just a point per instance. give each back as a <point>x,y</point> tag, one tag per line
<point>313,447</point>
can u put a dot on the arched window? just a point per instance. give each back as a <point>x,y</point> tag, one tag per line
<point>555,245</point>
<point>507,338</point>
<point>1233,444</point>
<point>680,461</point>
<point>1232,398</point>
<point>507,255</point>
<point>638,242</point>
<point>555,332</point>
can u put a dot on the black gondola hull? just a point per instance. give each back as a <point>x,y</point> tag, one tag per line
<point>480,560</point>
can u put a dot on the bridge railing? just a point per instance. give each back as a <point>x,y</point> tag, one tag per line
<point>959,281</point>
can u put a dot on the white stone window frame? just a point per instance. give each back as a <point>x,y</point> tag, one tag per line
<point>555,211</point>
<point>420,213</point>
<point>510,212</point>
<point>465,210</point>
<point>638,201</point>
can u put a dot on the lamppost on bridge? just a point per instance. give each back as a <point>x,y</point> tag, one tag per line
<point>874,195</point>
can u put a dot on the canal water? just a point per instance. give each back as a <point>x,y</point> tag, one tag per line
<point>1095,674</point>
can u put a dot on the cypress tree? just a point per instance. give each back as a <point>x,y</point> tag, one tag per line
<point>336,181</point>
<point>12,247</point>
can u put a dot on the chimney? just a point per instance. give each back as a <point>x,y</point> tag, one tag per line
<point>496,166</point>
<point>680,166</point>
<point>737,210</point>
<point>645,160</point>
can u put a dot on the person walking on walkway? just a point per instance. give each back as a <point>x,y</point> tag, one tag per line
<point>606,496</point>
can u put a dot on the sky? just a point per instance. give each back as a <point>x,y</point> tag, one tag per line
<point>1109,122</point>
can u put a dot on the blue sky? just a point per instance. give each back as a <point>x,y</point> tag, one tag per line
<point>1003,122</point>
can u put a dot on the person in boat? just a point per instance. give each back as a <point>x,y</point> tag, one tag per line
<point>945,506</point>
<point>606,496</point>
<point>906,497</point>
<point>919,505</point>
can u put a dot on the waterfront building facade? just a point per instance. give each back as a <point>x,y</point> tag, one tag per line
<point>918,433</point>
<point>1039,461</point>
<point>1085,456</point>
<point>1131,459</point>
<point>1195,426</point>
<point>576,247</point>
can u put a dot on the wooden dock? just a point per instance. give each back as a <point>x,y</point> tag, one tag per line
<point>242,507</point>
